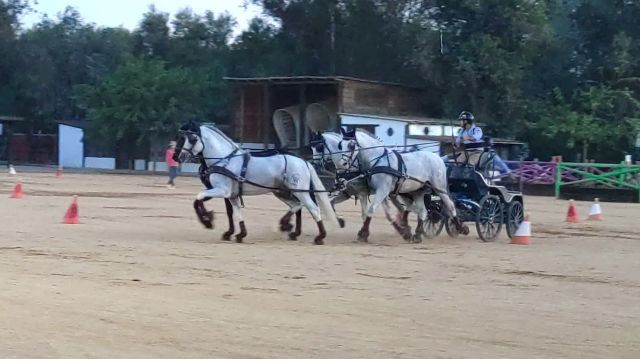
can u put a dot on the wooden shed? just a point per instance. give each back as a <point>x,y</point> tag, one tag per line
<point>6,132</point>
<point>284,110</point>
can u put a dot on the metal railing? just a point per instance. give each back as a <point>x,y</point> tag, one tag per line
<point>597,175</point>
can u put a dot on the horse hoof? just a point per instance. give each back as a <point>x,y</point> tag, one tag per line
<point>465,230</point>
<point>341,222</point>
<point>407,234</point>
<point>318,241</point>
<point>240,237</point>
<point>293,236</point>
<point>416,239</point>
<point>226,237</point>
<point>363,237</point>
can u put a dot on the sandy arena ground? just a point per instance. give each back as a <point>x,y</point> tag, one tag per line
<point>141,278</point>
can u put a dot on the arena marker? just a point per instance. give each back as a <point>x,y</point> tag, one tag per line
<point>595,214</point>
<point>17,191</point>
<point>72,217</point>
<point>572,213</point>
<point>523,234</point>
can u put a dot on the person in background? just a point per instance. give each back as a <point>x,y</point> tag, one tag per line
<point>171,164</point>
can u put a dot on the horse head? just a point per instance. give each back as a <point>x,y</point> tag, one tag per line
<point>190,143</point>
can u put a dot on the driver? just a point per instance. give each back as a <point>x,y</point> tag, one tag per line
<point>470,139</point>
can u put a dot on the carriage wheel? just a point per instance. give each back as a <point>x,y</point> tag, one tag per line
<point>451,228</point>
<point>489,218</point>
<point>435,220</point>
<point>514,216</point>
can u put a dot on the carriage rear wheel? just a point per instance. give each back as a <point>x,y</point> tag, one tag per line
<point>514,216</point>
<point>489,218</point>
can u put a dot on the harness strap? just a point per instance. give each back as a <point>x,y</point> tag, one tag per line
<point>403,171</point>
<point>221,170</point>
<point>243,173</point>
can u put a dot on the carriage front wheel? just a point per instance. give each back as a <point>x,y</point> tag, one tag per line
<point>514,216</point>
<point>489,218</point>
<point>435,220</point>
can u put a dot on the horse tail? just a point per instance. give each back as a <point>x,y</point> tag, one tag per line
<point>322,198</point>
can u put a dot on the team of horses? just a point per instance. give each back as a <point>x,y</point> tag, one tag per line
<point>364,168</point>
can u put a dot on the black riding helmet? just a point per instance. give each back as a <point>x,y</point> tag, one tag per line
<point>466,116</point>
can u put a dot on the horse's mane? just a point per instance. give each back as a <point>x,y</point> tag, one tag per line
<point>336,135</point>
<point>221,134</point>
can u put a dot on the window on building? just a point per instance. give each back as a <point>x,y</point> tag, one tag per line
<point>370,128</point>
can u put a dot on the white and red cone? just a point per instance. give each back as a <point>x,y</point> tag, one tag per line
<point>595,214</point>
<point>523,234</point>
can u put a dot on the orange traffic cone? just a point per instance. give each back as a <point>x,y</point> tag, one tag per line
<point>71,217</point>
<point>17,191</point>
<point>572,214</point>
<point>59,171</point>
<point>595,214</point>
<point>523,234</point>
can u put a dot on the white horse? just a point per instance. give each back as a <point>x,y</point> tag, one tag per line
<point>392,173</point>
<point>324,147</point>
<point>233,173</point>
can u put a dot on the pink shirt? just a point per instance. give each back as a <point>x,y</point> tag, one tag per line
<point>169,158</point>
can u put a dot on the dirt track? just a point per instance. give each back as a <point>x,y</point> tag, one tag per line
<point>141,278</point>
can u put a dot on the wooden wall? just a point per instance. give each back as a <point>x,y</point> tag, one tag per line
<point>249,113</point>
<point>379,99</point>
<point>255,103</point>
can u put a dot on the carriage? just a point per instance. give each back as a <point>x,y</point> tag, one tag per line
<point>477,199</point>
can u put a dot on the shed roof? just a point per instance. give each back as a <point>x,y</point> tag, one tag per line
<point>451,139</point>
<point>311,80</point>
<point>421,120</point>
<point>10,119</point>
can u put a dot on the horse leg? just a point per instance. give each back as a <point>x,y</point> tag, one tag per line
<point>206,217</point>
<point>285,225</point>
<point>294,236</point>
<point>421,209</point>
<point>314,210</point>
<point>226,236</point>
<point>401,223</point>
<point>364,205</point>
<point>237,210</point>
<point>379,197</point>
<point>450,210</point>
<point>343,196</point>
<point>297,209</point>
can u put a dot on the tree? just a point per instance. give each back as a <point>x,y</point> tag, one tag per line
<point>152,36</point>
<point>56,55</point>
<point>140,101</point>
<point>599,118</point>
<point>487,49</point>
<point>10,11</point>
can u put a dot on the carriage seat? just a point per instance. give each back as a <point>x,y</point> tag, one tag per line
<point>464,179</point>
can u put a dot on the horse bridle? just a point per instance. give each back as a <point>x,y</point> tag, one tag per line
<point>349,156</point>
<point>319,146</point>
<point>192,137</point>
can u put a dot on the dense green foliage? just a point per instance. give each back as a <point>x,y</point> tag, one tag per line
<point>562,75</point>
